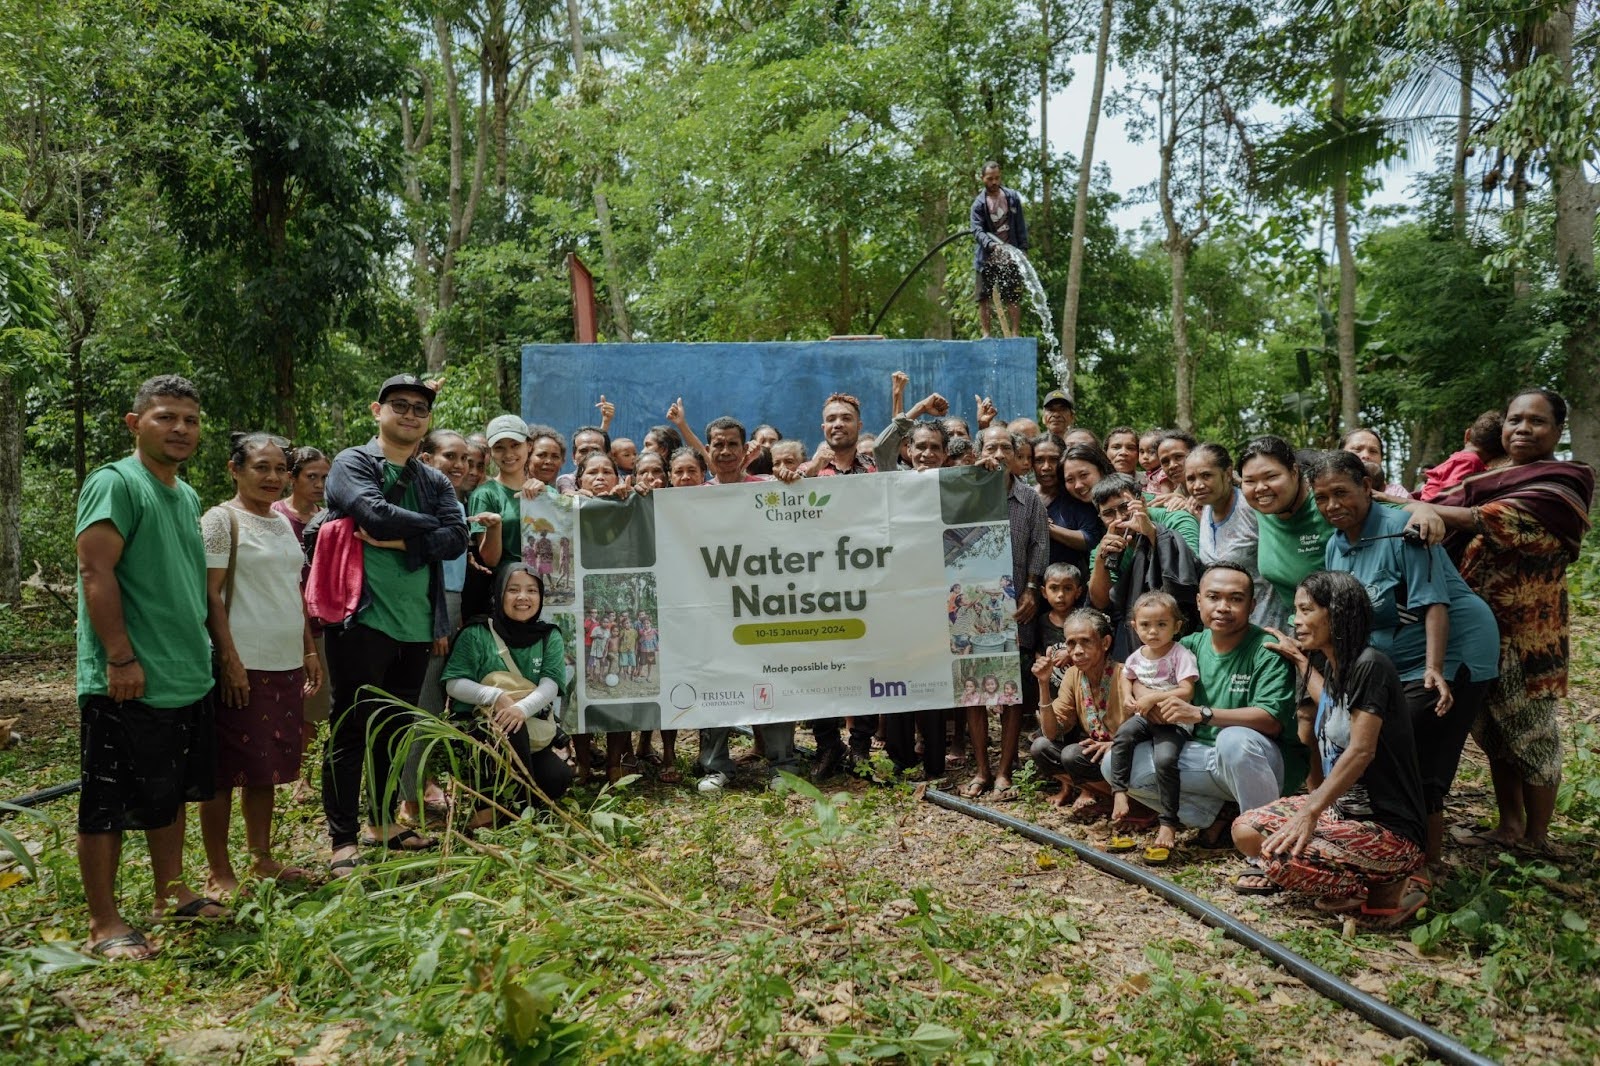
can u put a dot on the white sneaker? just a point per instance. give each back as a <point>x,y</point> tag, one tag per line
<point>713,782</point>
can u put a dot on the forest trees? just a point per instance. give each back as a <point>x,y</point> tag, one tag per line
<point>287,200</point>
<point>251,121</point>
<point>1202,81</point>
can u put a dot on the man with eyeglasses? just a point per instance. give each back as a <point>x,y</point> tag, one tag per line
<point>1137,555</point>
<point>409,523</point>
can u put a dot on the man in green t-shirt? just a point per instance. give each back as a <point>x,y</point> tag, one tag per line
<point>1246,744</point>
<point>409,521</point>
<point>144,665</point>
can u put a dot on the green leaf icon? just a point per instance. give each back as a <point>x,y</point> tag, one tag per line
<point>823,502</point>
<point>811,498</point>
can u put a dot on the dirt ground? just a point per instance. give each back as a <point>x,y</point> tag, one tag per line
<point>988,871</point>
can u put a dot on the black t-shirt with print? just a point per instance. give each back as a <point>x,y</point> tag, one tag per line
<point>1389,791</point>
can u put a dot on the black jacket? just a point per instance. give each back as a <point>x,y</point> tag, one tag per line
<point>1165,566</point>
<point>432,535</point>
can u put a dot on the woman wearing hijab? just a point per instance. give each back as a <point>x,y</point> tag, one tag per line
<point>505,672</point>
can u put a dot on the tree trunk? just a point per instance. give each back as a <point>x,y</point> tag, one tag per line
<point>1183,371</point>
<point>1044,133</point>
<point>11,418</point>
<point>844,312</point>
<point>1080,211</point>
<point>935,222</point>
<point>616,291</point>
<point>1178,243</point>
<point>270,216</point>
<point>1575,203</point>
<point>1458,170</point>
<point>1345,320</point>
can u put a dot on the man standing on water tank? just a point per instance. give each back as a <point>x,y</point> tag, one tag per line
<point>997,221</point>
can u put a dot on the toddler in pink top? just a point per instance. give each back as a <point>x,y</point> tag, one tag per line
<point>1158,670</point>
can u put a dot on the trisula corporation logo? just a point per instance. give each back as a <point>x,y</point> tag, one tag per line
<point>779,506</point>
<point>683,696</point>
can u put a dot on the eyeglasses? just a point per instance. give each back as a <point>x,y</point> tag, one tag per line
<point>410,407</point>
<point>1121,510</point>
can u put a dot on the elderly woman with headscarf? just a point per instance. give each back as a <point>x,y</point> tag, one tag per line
<point>505,673</point>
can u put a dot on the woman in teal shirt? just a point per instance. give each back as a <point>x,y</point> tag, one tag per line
<point>491,711</point>
<point>1441,637</point>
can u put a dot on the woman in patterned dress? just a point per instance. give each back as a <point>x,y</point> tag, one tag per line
<point>1515,530</point>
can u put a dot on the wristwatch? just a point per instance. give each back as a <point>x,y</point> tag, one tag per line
<point>1205,715</point>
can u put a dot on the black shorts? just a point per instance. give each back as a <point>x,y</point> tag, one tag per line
<point>1009,278</point>
<point>140,764</point>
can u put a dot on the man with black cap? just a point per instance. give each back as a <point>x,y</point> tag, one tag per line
<point>1058,413</point>
<point>408,520</point>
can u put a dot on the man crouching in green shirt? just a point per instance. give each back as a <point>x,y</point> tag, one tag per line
<point>1246,747</point>
<point>144,665</point>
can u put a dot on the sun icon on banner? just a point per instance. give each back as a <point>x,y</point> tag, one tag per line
<point>772,499</point>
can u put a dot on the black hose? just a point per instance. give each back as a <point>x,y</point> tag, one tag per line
<point>45,795</point>
<point>911,274</point>
<point>1394,1022</point>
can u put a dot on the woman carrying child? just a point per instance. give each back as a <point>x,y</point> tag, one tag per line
<point>1358,835</point>
<point>1158,669</point>
<point>506,670</point>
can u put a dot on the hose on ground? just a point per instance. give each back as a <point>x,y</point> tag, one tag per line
<point>44,795</point>
<point>1382,1015</point>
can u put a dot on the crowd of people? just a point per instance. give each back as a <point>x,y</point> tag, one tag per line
<point>1284,653</point>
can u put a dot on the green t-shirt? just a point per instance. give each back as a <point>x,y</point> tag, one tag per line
<point>1288,552</point>
<point>399,605</point>
<point>493,496</point>
<point>1182,523</point>
<point>162,577</point>
<point>1251,675</point>
<point>474,657</point>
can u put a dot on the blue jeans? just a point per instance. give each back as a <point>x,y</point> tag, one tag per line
<point>1245,766</point>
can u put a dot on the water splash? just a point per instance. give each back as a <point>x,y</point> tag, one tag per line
<point>1015,270</point>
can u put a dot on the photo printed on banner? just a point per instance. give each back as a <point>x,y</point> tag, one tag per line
<point>988,682</point>
<point>548,545</point>
<point>621,623</point>
<point>983,602</point>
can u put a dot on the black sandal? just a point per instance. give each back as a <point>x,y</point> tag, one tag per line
<point>401,841</point>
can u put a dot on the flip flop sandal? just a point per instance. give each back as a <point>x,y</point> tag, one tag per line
<point>1473,837</point>
<point>135,939</point>
<point>975,788</point>
<point>190,912</point>
<point>1007,794</point>
<point>1271,888</point>
<point>1393,917</point>
<point>345,867</point>
<point>401,841</point>
<point>1155,855</point>
<point>670,777</point>
<point>1117,845</point>
<point>1340,904</point>
<point>1550,849</point>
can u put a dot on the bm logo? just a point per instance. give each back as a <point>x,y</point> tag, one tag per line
<point>878,689</point>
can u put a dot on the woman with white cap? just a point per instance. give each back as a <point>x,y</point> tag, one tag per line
<point>502,495</point>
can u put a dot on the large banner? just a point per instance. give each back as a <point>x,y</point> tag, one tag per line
<point>766,602</point>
